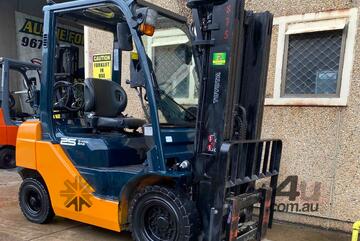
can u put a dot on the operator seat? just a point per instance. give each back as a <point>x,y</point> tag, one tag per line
<point>104,103</point>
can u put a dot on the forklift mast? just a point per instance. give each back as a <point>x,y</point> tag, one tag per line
<point>232,47</point>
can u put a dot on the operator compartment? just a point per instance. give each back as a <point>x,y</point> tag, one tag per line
<point>106,116</point>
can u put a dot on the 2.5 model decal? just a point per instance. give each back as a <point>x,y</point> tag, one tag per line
<point>66,141</point>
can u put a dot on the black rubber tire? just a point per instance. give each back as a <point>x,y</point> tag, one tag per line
<point>180,209</point>
<point>35,202</point>
<point>7,158</point>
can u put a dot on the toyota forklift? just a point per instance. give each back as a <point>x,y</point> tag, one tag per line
<point>172,173</point>
<point>19,81</point>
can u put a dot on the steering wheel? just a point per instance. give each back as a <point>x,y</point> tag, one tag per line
<point>68,96</point>
<point>78,101</point>
<point>61,94</point>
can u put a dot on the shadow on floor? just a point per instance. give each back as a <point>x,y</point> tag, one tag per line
<point>293,232</point>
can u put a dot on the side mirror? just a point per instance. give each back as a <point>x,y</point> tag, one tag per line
<point>124,37</point>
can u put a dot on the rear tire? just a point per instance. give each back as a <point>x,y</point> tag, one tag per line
<point>162,214</point>
<point>7,158</point>
<point>35,202</point>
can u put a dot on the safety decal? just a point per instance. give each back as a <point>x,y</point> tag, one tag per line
<point>219,58</point>
<point>102,66</point>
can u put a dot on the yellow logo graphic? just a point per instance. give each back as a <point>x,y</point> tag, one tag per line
<point>77,193</point>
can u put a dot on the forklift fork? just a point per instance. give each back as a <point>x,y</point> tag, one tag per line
<point>265,165</point>
<point>241,202</point>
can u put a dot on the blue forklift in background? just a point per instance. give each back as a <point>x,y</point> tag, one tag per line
<point>175,174</point>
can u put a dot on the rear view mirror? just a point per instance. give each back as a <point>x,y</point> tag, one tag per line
<point>124,37</point>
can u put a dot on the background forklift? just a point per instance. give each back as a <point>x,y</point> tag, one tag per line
<point>20,82</point>
<point>18,85</point>
<point>171,175</point>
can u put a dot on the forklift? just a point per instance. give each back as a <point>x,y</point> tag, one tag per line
<point>18,86</point>
<point>173,173</point>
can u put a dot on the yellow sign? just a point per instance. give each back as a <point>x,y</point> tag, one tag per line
<point>102,66</point>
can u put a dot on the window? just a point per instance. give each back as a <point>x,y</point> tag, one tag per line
<point>169,49</point>
<point>167,60</point>
<point>313,64</point>
<point>314,58</point>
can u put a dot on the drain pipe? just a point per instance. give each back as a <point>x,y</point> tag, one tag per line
<point>356,229</point>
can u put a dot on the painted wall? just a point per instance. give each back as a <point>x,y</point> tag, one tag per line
<point>321,144</point>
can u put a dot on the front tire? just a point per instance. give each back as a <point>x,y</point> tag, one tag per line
<point>162,214</point>
<point>35,202</point>
<point>7,158</point>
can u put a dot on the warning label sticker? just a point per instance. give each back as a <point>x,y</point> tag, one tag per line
<point>102,66</point>
<point>219,58</point>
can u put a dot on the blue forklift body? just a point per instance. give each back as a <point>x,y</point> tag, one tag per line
<point>110,182</point>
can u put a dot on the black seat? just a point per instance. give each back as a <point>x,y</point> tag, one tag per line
<point>104,102</point>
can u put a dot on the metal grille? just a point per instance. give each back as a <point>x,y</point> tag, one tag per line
<point>313,63</point>
<point>172,73</point>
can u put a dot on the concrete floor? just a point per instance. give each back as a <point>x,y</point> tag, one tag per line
<point>14,227</point>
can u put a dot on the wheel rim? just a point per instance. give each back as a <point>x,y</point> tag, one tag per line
<point>33,202</point>
<point>159,221</point>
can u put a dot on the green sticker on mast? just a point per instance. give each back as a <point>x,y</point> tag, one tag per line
<point>219,58</point>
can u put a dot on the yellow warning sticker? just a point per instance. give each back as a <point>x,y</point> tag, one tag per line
<point>56,116</point>
<point>134,56</point>
<point>102,66</point>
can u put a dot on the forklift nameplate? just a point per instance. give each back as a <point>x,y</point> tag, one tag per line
<point>219,58</point>
<point>102,66</point>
